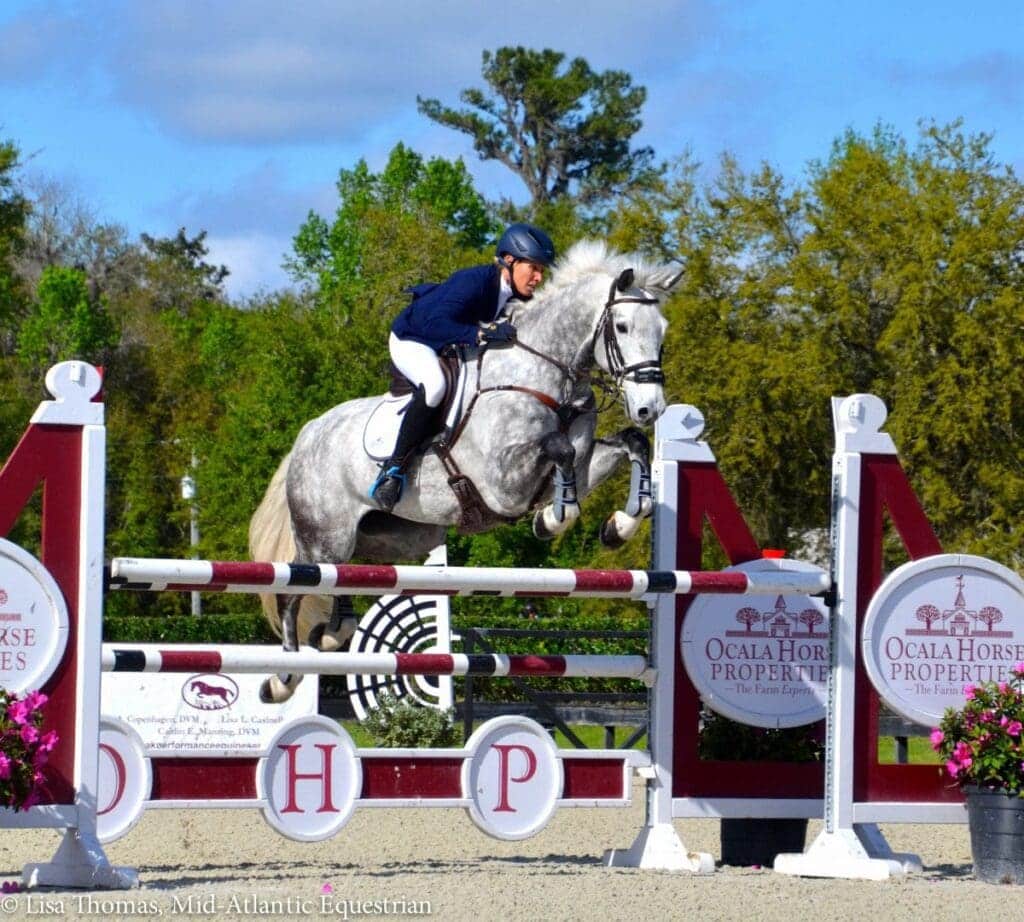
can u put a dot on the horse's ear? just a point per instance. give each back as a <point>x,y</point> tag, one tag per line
<point>667,281</point>
<point>625,280</point>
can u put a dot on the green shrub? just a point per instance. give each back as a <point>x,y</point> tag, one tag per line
<point>222,629</point>
<point>404,724</point>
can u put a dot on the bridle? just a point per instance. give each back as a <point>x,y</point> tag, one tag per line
<point>648,372</point>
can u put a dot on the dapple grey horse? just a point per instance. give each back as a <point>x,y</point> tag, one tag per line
<point>528,442</point>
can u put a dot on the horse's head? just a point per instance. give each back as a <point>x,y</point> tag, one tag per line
<point>629,335</point>
<point>603,308</point>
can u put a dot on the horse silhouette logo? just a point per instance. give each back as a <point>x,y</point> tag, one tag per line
<point>209,692</point>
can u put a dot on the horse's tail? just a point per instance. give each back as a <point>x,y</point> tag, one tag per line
<point>271,539</point>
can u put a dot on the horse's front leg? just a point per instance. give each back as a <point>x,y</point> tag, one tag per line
<point>557,516</point>
<point>333,634</point>
<point>608,452</point>
<point>279,688</point>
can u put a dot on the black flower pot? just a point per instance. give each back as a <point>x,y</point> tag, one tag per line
<point>747,842</point>
<point>996,821</point>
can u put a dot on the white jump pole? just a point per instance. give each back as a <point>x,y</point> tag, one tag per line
<point>154,574</point>
<point>254,661</point>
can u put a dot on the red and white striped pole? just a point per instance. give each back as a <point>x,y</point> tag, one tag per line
<point>241,660</point>
<point>356,579</point>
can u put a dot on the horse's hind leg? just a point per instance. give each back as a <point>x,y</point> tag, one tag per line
<point>279,688</point>
<point>334,633</point>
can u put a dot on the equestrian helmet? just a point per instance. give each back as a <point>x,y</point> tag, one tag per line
<point>524,241</point>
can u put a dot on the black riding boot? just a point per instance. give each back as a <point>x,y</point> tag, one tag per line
<point>418,422</point>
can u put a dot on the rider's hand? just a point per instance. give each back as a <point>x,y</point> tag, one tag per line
<point>496,333</point>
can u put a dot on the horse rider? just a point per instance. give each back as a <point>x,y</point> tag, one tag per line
<point>466,310</point>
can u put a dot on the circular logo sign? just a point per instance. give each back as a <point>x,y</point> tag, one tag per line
<point>33,621</point>
<point>938,624</point>
<point>310,779</point>
<point>760,659</point>
<point>512,776</point>
<point>209,692</point>
<point>124,782</point>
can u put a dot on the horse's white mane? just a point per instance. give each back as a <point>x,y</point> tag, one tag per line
<point>590,257</point>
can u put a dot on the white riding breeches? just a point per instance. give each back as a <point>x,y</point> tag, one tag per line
<point>419,363</point>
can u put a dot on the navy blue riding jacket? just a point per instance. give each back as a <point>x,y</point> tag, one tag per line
<point>450,312</point>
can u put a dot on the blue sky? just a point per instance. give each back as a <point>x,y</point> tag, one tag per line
<point>235,117</point>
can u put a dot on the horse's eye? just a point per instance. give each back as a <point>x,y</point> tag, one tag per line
<point>620,327</point>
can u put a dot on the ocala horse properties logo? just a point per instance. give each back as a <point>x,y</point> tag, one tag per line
<point>762,660</point>
<point>209,692</point>
<point>939,624</point>
<point>957,645</point>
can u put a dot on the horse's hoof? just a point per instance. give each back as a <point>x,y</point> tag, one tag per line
<point>316,635</point>
<point>274,691</point>
<point>609,535</point>
<point>328,641</point>
<point>540,530</point>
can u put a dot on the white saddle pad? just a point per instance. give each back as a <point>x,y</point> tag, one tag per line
<point>381,430</point>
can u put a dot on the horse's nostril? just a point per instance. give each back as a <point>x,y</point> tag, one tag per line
<point>643,412</point>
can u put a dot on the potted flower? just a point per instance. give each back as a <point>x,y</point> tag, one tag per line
<point>981,745</point>
<point>756,841</point>
<point>24,749</point>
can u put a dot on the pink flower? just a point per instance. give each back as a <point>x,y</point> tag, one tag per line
<point>5,767</point>
<point>953,767</point>
<point>1018,669</point>
<point>1004,720</point>
<point>1014,727</point>
<point>969,691</point>
<point>1003,688</point>
<point>48,741</point>
<point>29,734</point>
<point>35,700</point>
<point>17,712</point>
<point>936,739</point>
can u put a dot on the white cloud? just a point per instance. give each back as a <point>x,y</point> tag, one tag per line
<point>254,261</point>
<point>263,71</point>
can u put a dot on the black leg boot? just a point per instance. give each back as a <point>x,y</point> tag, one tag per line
<point>418,422</point>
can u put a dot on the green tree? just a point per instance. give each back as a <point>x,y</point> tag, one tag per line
<point>66,322</point>
<point>912,275</point>
<point>424,208</point>
<point>563,130</point>
<point>63,230</point>
<point>176,273</point>
<point>893,270</point>
<point>13,214</point>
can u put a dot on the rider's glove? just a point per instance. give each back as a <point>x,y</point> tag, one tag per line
<point>496,333</point>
